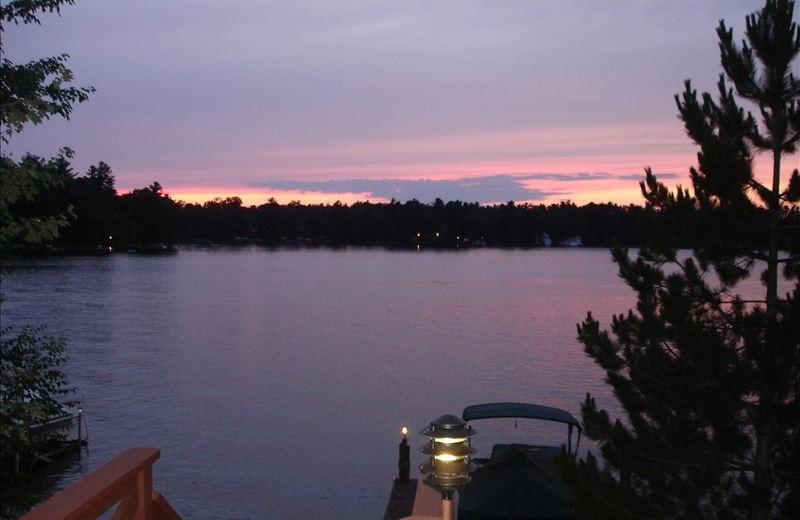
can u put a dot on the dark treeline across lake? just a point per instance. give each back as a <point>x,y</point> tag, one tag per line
<point>103,219</point>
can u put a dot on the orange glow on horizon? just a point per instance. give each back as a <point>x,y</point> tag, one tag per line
<point>622,152</point>
<point>256,197</point>
<point>580,192</point>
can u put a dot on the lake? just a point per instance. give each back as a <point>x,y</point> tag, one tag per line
<point>275,382</point>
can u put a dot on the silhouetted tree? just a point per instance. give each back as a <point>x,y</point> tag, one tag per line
<point>708,378</point>
<point>93,199</point>
<point>148,216</point>
<point>33,205</point>
<point>226,219</point>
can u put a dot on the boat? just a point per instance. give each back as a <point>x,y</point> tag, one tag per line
<point>518,481</point>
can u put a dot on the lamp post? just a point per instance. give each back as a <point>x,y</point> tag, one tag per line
<point>404,458</point>
<point>448,450</point>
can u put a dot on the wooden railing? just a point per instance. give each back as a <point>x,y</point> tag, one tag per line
<point>126,479</point>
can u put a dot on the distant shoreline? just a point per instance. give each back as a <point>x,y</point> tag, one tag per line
<point>162,249</point>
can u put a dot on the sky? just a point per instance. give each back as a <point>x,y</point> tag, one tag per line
<point>535,101</point>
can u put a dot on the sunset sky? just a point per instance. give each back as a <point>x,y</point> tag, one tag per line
<point>486,101</point>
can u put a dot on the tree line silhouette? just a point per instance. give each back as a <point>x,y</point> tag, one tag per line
<point>149,219</point>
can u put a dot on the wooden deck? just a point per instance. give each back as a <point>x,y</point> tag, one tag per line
<point>413,501</point>
<point>401,501</point>
<point>125,481</point>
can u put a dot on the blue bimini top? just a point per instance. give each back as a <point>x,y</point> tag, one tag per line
<point>521,410</point>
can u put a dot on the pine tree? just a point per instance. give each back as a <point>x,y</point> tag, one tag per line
<point>708,379</point>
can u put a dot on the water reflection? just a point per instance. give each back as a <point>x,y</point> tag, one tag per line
<point>275,381</point>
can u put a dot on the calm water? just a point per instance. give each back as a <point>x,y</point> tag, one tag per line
<point>275,383</point>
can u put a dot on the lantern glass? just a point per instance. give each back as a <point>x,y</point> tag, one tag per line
<point>449,440</point>
<point>446,457</point>
<point>448,450</point>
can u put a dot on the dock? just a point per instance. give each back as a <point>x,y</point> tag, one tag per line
<point>401,501</point>
<point>413,501</point>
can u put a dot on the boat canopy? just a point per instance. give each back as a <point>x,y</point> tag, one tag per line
<point>521,410</point>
